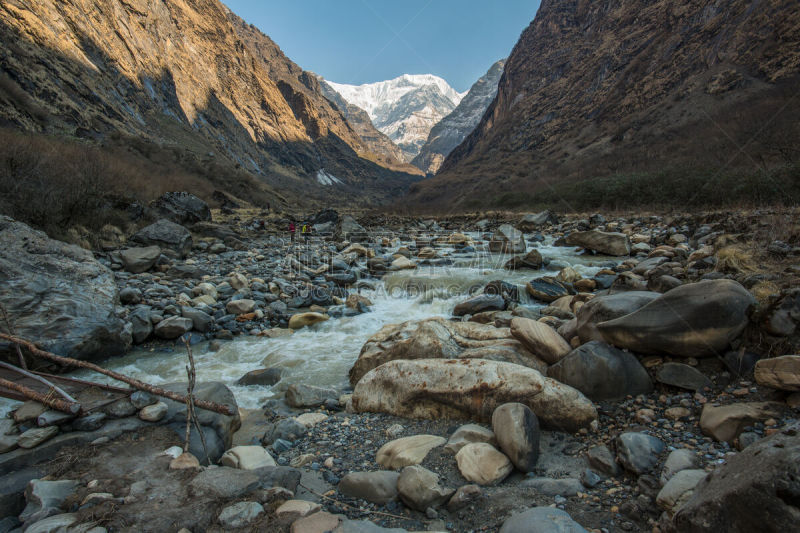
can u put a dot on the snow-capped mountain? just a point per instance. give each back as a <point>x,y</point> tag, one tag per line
<point>405,108</point>
<point>454,128</point>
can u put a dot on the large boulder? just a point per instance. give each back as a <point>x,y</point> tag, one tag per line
<point>138,260</point>
<point>533,221</point>
<point>182,208</point>
<point>755,490</point>
<point>218,429</point>
<point>507,240</point>
<point>603,242</point>
<point>480,303</point>
<point>347,229</point>
<point>436,338</point>
<point>58,296</point>
<point>167,235</point>
<point>602,372</point>
<point>693,320</point>
<point>517,431</point>
<point>532,260</point>
<point>469,388</point>
<point>608,307</point>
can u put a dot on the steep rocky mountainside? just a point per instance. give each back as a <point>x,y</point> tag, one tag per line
<point>452,129</point>
<point>377,142</point>
<point>603,88</point>
<point>186,74</point>
<point>405,108</point>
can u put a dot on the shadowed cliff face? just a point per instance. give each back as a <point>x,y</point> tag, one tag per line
<point>187,73</point>
<point>452,129</point>
<point>595,88</point>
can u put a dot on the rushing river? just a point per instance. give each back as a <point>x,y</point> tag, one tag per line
<point>323,354</point>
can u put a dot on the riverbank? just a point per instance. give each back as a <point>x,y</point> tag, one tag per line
<point>237,300</point>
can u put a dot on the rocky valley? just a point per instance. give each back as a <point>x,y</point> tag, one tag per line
<point>236,296</point>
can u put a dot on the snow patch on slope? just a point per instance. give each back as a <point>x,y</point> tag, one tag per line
<point>324,178</point>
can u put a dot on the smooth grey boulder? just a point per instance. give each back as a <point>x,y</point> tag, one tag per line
<point>507,239</point>
<point>516,429</point>
<point>138,260</point>
<point>167,235</point>
<point>608,307</point>
<point>479,303</point>
<point>693,320</point>
<point>300,395</point>
<point>44,498</point>
<point>58,295</point>
<point>682,376</point>
<point>376,487</point>
<point>173,327</point>
<point>602,372</point>
<point>639,452</point>
<point>419,488</point>
<point>534,221</point>
<point>261,376</point>
<point>603,242</point>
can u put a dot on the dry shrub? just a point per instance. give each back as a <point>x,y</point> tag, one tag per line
<point>764,291</point>
<point>735,259</point>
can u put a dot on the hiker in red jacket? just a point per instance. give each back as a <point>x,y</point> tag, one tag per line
<point>292,230</point>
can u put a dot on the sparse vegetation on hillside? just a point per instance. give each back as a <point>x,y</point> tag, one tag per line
<point>54,184</point>
<point>680,188</point>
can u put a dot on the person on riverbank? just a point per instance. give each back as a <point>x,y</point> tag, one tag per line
<point>292,231</point>
<point>305,230</point>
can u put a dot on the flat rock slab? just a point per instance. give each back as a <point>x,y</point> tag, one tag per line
<point>781,373</point>
<point>682,376</point>
<point>321,522</point>
<point>725,422</point>
<point>542,520</point>
<point>376,487</point>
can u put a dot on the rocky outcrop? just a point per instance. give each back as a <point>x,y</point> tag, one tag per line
<point>439,338</point>
<point>185,74</point>
<point>602,372</point>
<point>469,388</point>
<point>58,296</point>
<point>166,235</point>
<point>693,320</point>
<point>182,208</point>
<point>452,129</point>
<point>755,490</point>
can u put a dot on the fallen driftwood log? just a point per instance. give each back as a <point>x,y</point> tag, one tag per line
<point>40,379</point>
<point>49,400</point>
<point>135,383</point>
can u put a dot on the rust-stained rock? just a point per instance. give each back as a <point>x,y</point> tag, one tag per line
<point>471,388</point>
<point>435,338</point>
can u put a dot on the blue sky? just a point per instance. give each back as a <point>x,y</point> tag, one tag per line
<point>361,41</point>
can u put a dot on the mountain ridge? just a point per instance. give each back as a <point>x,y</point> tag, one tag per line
<point>189,74</point>
<point>404,108</point>
<point>453,128</point>
<point>595,89</point>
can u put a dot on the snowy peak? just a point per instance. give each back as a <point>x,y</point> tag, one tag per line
<point>405,108</point>
<point>452,129</point>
